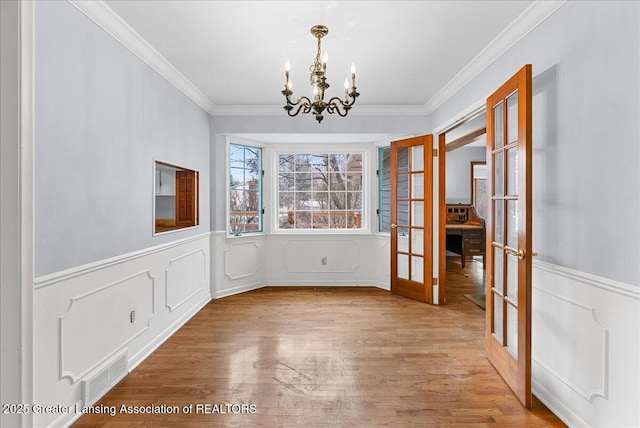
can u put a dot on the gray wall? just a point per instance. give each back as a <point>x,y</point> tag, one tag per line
<point>102,117</point>
<point>304,124</point>
<point>586,135</point>
<point>458,173</point>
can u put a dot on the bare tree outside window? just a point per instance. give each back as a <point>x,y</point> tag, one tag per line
<point>320,191</point>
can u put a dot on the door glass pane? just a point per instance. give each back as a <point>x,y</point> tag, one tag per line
<point>512,224</point>
<point>498,271</point>
<point>403,160</point>
<point>403,240</point>
<point>512,171</point>
<point>403,213</point>
<point>498,126</point>
<point>403,266</point>
<point>512,330</point>
<point>417,213</point>
<point>417,158</point>
<point>497,317</point>
<point>512,117</point>
<point>498,226</point>
<point>417,241</point>
<point>417,186</point>
<point>512,278</point>
<point>417,269</point>
<point>498,168</point>
<point>403,186</point>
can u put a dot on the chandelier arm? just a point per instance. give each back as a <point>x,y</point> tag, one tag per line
<point>334,107</point>
<point>305,107</point>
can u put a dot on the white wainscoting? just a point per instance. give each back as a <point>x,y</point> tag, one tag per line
<point>586,347</point>
<point>349,260</point>
<point>253,261</point>
<point>83,316</point>
<point>238,264</point>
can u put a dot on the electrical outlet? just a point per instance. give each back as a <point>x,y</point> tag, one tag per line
<point>324,261</point>
<point>132,316</point>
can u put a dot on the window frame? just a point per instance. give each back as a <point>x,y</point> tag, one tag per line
<point>261,195</point>
<point>274,155</point>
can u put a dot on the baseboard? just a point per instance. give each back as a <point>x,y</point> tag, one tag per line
<point>564,413</point>
<point>320,283</point>
<point>290,283</point>
<point>238,290</point>
<point>141,355</point>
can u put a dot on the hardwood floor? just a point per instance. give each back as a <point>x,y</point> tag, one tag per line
<point>339,357</point>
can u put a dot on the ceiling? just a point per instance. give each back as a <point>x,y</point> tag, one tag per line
<point>406,52</point>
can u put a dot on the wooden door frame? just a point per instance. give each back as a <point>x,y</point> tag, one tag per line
<point>442,204</point>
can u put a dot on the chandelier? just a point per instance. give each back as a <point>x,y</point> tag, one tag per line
<point>318,81</point>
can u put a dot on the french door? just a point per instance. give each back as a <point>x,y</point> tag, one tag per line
<point>411,218</point>
<point>508,251</point>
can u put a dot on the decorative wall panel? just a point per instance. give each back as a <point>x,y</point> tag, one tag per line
<point>320,256</point>
<point>242,259</point>
<point>185,277</point>
<point>90,331</point>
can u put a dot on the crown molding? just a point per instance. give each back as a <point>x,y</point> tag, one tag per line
<point>113,24</point>
<point>527,21</point>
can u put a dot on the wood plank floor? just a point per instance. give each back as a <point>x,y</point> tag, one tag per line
<point>339,357</point>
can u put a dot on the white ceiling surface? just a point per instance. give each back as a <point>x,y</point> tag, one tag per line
<point>235,51</point>
<point>410,55</point>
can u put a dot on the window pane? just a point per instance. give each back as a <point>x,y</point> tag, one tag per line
<point>417,158</point>
<point>303,201</point>
<point>498,168</point>
<point>403,186</point>
<point>403,160</point>
<point>512,171</point>
<point>338,201</point>
<point>498,127</point>
<point>286,181</point>
<point>320,201</point>
<point>417,186</point>
<point>512,224</point>
<point>512,330</point>
<point>512,117</point>
<point>285,163</point>
<point>498,316</point>
<point>384,186</point>
<point>236,156</point>
<point>336,182</point>
<point>354,201</point>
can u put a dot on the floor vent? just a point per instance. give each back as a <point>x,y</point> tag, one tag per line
<point>325,288</point>
<point>99,383</point>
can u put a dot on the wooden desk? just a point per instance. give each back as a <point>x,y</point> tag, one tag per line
<point>466,240</point>
<point>465,232</point>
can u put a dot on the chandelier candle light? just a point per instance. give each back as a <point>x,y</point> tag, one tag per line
<point>318,80</point>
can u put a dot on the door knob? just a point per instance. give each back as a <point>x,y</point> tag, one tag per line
<point>519,254</point>
<point>394,226</point>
